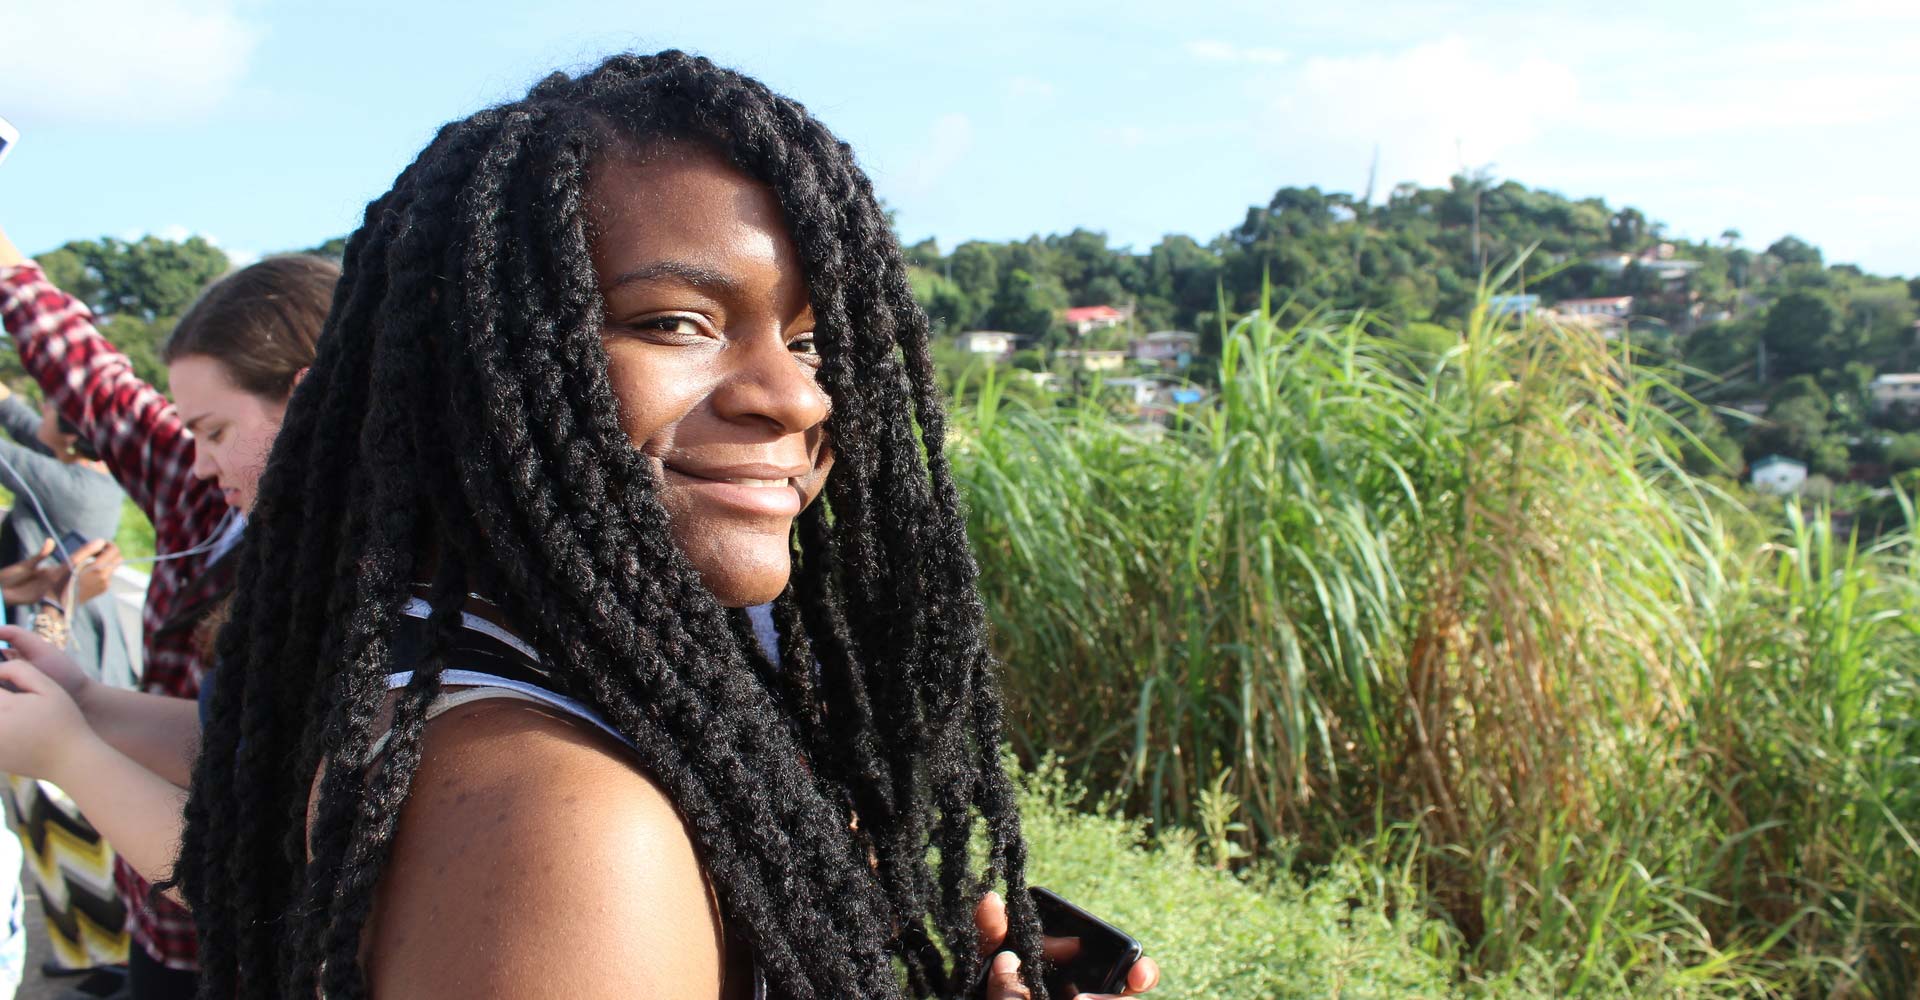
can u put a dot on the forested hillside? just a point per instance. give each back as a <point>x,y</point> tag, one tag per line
<point>1784,344</point>
<point>1788,339</point>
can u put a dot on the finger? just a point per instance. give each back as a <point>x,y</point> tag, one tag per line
<point>92,549</point>
<point>22,675</point>
<point>1144,976</point>
<point>1060,949</point>
<point>46,549</point>
<point>1003,978</point>
<point>990,917</point>
<point>25,642</point>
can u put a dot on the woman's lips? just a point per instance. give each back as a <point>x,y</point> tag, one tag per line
<point>765,493</point>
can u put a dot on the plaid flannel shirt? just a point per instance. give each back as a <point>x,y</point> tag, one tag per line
<point>140,436</point>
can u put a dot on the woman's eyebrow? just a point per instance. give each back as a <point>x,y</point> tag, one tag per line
<point>704,278</point>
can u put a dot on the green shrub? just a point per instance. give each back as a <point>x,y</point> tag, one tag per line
<point>1652,742</point>
<point>1355,930</point>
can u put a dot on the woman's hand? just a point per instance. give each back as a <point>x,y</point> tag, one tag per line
<point>26,582</point>
<point>1003,975</point>
<point>97,561</point>
<point>41,729</point>
<point>34,579</point>
<point>50,662</point>
<point>9,254</point>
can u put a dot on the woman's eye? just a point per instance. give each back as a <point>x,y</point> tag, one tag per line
<point>804,344</point>
<point>678,326</point>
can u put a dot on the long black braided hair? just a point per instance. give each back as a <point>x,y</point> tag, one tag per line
<point>460,406</point>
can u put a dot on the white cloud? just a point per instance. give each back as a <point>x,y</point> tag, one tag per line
<point>122,60</point>
<point>1430,109</point>
<point>950,139</point>
<point>1213,50</point>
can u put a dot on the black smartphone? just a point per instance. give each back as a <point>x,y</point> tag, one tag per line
<point>71,542</point>
<point>1105,953</point>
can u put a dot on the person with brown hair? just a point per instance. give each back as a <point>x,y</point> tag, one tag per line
<point>192,465</point>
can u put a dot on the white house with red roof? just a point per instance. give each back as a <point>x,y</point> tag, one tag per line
<point>1083,320</point>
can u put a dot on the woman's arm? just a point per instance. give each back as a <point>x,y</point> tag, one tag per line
<point>158,733</point>
<point>533,860</point>
<point>43,735</point>
<point>20,420</point>
<point>136,430</point>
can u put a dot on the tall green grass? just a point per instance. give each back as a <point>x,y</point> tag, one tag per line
<point>1651,742</point>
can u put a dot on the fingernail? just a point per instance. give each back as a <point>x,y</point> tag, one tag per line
<point>994,897</point>
<point>1006,963</point>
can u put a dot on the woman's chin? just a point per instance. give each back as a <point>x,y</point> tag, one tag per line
<point>744,571</point>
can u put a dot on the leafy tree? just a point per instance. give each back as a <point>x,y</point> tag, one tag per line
<point>1028,303</point>
<point>335,248</point>
<point>948,307</point>
<point>1794,250</point>
<point>1903,452</point>
<point>1627,230</point>
<point>1830,457</point>
<point>925,253</point>
<point>150,278</point>
<point>1800,334</point>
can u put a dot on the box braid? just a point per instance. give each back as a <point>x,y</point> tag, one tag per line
<point>458,428</point>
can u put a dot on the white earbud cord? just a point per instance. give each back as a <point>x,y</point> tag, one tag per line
<point>215,540</point>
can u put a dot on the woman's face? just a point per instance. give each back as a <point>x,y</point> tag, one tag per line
<point>232,429</point>
<point>709,340</point>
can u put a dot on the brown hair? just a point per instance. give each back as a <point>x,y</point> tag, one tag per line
<point>260,322</point>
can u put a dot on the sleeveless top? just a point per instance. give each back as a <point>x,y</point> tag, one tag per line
<point>500,665</point>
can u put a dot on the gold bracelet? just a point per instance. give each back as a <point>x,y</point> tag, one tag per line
<point>51,626</point>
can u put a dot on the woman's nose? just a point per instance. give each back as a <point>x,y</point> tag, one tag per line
<point>767,381</point>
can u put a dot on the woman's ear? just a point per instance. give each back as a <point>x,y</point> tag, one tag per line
<point>297,376</point>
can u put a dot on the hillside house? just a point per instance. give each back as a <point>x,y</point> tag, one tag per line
<point>1512,305</point>
<point>1170,348</point>
<point>1601,311</point>
<point>1083,320</point>
<point>1093,361</point>
<point>1154,398</point>
<point>1778,475</point>
<point>1141,390</point>
<point>993,343</point>
<point>1898,391</point>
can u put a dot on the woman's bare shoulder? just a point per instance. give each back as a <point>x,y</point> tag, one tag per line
<point>534,859</point>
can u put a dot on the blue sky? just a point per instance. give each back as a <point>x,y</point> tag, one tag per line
<point>267,126</point>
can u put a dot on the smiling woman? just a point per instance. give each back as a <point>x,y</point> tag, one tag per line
<point>712,357</point>
<point>607,626</point>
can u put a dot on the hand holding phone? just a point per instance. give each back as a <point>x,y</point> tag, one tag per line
<point>1102,957</point>
<point>70,543</point>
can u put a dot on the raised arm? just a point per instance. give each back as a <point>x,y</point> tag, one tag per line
<point>20,420</point>
<point>135,429</point>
